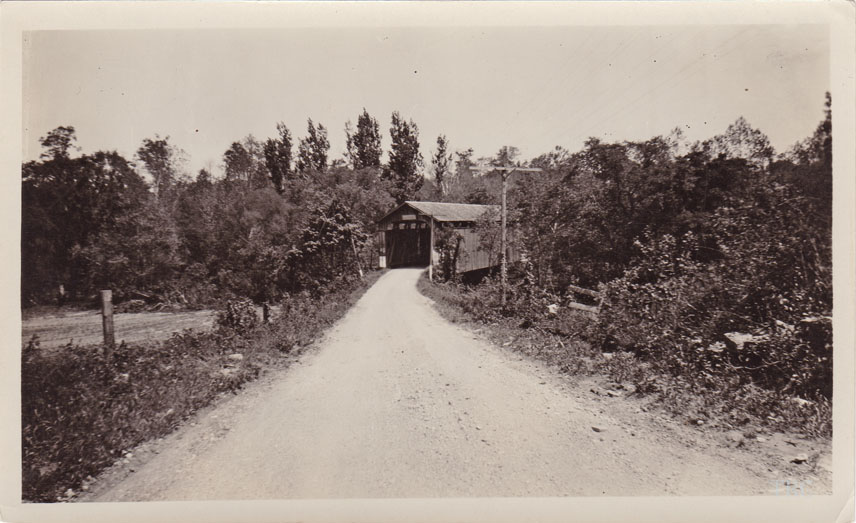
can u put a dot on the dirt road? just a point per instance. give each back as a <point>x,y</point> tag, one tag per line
<point>397,402</point>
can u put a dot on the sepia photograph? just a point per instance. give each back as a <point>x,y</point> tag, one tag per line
<point>404,259</point>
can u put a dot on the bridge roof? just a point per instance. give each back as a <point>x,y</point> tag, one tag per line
<point>447,212</point>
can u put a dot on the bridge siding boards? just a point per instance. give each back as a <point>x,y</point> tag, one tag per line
<point>406,229</point>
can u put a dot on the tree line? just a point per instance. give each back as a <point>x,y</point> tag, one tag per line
<point>283,218</point>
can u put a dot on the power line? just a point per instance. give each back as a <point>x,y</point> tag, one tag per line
<point>611,116</point>
<point>612,95</point>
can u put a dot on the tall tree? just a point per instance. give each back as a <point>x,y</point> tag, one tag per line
<point>237,162</point>
<point>440,161</point>
<point>258,176</point>
<point>558,158</point>
<point>245,162</point>
<point>364,149</point>
<point>58,142</point>
<point>808,166</point>
<point>312,151</point>
<point>140,251</point>
<point>203,178</point>
<point>65,201</point>
<point>505,156</point>
<point>741,140</point>
<point>817,148</point>
<point>405,160</point>
<point>461,180</point>
<point>464,162</point>
<point>161,160</point>
<point>277,154</point>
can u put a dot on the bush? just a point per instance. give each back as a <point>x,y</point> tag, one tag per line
<point>448,246</point>
<point>676,312</point>
<point>81,410</point>
<point>238,316</point>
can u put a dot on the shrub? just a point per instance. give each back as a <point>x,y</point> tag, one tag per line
<point>448,246</point>
<point>675,311</point>
<point>80,410</point>
<point>238,316</point>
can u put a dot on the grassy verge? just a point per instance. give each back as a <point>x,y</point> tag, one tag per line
<point>561,340</point>
<point>81,411</point>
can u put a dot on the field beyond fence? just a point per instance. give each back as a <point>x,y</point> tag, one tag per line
<point>84,327</point>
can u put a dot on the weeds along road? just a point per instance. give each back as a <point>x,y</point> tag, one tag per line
<point>395,401</point>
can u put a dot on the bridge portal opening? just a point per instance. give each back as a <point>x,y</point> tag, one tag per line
<point>408,244</point>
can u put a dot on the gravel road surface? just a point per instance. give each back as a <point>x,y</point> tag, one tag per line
<point>395,401</point>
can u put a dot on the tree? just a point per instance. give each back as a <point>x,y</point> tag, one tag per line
<point>817,148</point>
<point>328,247</point>
<point>204,178</point>
<point>440,162</point>
<point>140,251</point>
<point>364,148</point>
<point>405,160</point>
<point>312,151</point>
<point>161,160</point>
<point>464,161</point>
<point>237,162</point>
<point>65,201</point>
<point>257,177</point>
<point>277,154</point>
<point>58,142</point>
<point>114,186</point>
<point>198,217</point>
<point>245,162</point>
<point>462,182</point>
<point>807,166</point>
<point>557,159</point>
<point>505,156</point>
<point>741,140</point>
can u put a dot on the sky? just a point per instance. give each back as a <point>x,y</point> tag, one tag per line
<point>533,88</point>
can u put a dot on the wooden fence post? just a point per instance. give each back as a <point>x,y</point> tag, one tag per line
<point>107,321</point>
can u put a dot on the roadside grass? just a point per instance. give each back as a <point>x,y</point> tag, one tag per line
<point>81,411</point>
<point>561,340</point>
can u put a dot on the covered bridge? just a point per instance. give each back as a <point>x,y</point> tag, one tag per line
<point>409,234</point>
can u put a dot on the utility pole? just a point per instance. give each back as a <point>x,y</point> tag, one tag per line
<point>506,172</point>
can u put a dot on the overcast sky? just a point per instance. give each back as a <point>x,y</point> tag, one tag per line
<point>533,88</point>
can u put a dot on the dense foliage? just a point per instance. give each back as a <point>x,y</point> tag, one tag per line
<point>268,228</point>
<point>712,259</point>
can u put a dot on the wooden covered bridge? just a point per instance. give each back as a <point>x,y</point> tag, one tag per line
<point>409,234</point>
